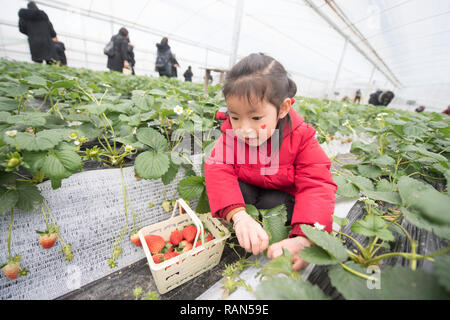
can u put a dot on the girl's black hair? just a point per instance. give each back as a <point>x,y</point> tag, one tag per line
<point>32,5</point>
<point>261,77</point>
<point>123,31</point>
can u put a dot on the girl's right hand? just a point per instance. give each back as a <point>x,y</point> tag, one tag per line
<point>251,235</point>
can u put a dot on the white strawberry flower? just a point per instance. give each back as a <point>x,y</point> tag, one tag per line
<point>78,111</point>
<point>346,123</point>
<point>189,111</point>
<point>134,131</point>
<point>76,142</point>
<point>73,135</point>
<point>11,133</point>
<point>128,148</point>
<point>178,110</point>
<point>318,226</point>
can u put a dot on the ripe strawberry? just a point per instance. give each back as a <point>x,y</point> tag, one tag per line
<point>47,239</point>
<point>170,255</point>
<point>189,233</point>
<point>185,246</point>
<point>175,237</point>
<point>158,258</point>
<point>11,269</point>
<point>182,209</point>
<point>209,237</point>
<point>135,239</point>
<point>154,242</point>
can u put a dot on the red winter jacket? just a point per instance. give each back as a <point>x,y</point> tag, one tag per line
<point>303,171</point>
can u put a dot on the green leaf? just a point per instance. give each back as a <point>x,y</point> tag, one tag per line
<point>153,139</point>
<point>274,223</point>
<point>252,211</point>
<point>317,255</point>
<point>441,271</point>
<point>327,242</point>
<point>390,197</point>
<point>385,186</point>
<point>279,265</point>
<point>340,221</point>
<point>191,187</point>
<point>96,109</point>
<point>369,171</point>
<point>152,165</point>
<point>66,84</point>
<point>351,286</point>
<point>28,119</point>
<point>7,104</point>
<point>383,161</point>
<point>373,226</point>
<point>288,289</point>
<point>402,283</point>
<point>345,188</point>
<point>29,196</point>
<point>423,198</point>
<point>170,174</point>
<point>61,164</point>
<point>413,130</point>
<point>8,199</point>
<point>44,140</point>
<point>362,183</point>
<point>203,203</point>
<point>36,81</point>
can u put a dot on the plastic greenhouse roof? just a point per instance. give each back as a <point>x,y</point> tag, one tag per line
<point>407,40</point>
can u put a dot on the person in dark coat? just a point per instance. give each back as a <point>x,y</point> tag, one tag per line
<point>420,109</point>
<point>381,98</point>
<point>188,74</point>
<point>35,24</point>
<point>119,59</point>
<point>163,58</point>
<point>131,56</point>
<point>175,65</point>
<point>447,111</point>
<point>59,51</point>
<point>357,96</point>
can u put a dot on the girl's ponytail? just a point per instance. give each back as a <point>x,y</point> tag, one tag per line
<point>292,91</point>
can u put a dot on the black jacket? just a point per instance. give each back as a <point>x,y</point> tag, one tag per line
<point>120,53</point>
<point>188,75</point>
<point>60,54</point>
<point>36,25</point>
<point>381,98</point>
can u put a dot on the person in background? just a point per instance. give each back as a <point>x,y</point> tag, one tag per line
<point>60,55</point>
<point>36,25</point>
<point>131,58</point>
<point>120,58</point>
<point>446,111</point>
<point>175,65</point>
<point>381,98</point>
<point>357,96</point>
<point>420,109</point>
<point>188,75</point>
<point>163,58</point>
<point>259,95</point>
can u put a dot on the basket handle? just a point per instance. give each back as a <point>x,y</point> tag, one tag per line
<point>200,230</point>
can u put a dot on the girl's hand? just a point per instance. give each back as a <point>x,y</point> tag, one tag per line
<point>251,235</point>
<point>294,245</point>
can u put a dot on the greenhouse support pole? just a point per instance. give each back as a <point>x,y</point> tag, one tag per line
<point>369,84</point>
<point>338,71</point>
<point>236,31</point>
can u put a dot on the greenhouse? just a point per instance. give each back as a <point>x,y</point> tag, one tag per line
<point>225,150</point>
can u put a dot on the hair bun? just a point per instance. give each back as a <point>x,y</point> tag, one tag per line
<point>292,91</point>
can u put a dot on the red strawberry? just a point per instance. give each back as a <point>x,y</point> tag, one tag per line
<point>185,246</point>
<point>135,239</point>
<point>198,244</point>
<point>158,258</point>
<point>47,240</point>
<point>209,237</point>
<point>176,237</point>
<point>155,243</point>
<point>170,255</point>
<point>11,269</point>
<point>189,233</point>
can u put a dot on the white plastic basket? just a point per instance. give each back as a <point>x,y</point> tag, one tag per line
<point>176,271</point>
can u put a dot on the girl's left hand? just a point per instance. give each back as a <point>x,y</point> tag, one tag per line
<point>294,245</point>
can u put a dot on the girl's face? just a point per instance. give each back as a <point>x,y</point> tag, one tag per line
<point>254,123</point>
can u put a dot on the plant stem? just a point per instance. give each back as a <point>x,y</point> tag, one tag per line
<point>356,273</point>
<point>9,235</point>
<point>361,248</point>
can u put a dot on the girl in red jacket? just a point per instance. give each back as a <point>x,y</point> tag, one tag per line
<point>268,156</point>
